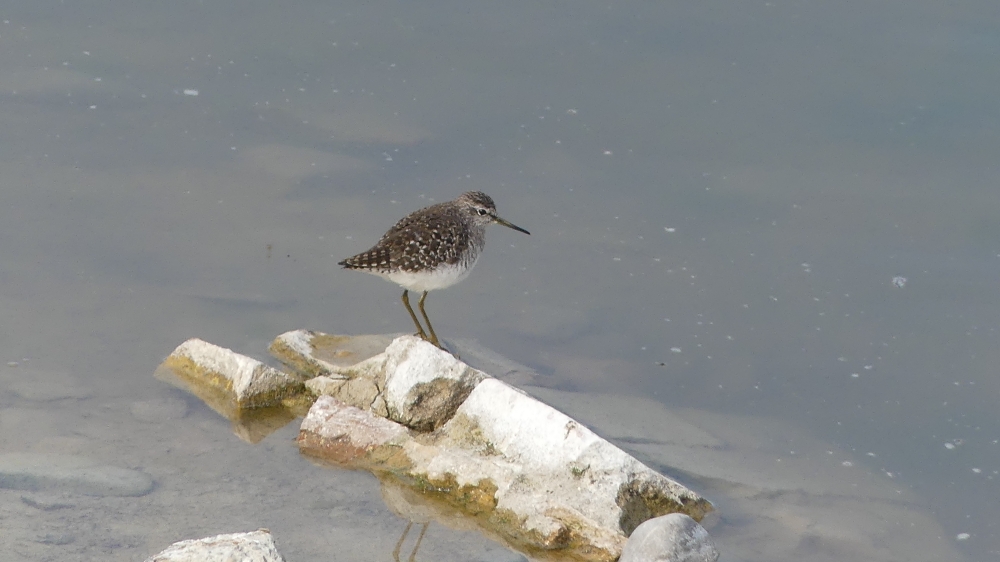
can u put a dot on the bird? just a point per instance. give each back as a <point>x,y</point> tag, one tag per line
<point>432,248</point>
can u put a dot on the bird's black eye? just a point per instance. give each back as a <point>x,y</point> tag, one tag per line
<point>482,212</point>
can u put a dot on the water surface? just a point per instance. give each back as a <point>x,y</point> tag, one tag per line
<point>720,196</point>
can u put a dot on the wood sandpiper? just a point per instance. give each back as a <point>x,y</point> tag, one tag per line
<point>432,248</point>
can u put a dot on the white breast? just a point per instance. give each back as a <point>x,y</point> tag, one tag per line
<point>439,278</point>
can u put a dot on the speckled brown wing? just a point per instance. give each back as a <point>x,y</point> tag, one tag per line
<point>421,240</point>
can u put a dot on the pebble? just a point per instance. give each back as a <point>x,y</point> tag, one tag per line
<point>671,538</point>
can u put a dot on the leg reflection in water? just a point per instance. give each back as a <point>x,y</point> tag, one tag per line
<point>416,547</point>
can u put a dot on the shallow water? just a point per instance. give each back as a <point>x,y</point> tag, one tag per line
<point>719,196</point>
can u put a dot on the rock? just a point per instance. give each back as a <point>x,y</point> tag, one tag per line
<point>671,538</point>
<point>227,380</point>
<point>423,384</point>
<point>340,433</point>
<point>527,472</point>
<point>323,385</point>
<point>559,464</point>
<point>361,392</point>
<point>410,381</point>
<point>67,473</point>
<point>255,546</point>
<point>312,354</point>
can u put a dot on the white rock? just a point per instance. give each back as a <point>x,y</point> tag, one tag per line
<point>423,384</point>
<point>314,353</point>
<point>251,383</point>
<point>345,433</point>
<point>541,479</point>
<point>532,476</point>
<point>255,546</point>
<point>556,462</point>
<point>671,538</point>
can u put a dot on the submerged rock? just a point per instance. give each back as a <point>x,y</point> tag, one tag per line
<point>69,473</point>
<point>671,538</point>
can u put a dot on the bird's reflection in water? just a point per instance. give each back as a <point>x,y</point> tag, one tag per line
<point>416,547</point>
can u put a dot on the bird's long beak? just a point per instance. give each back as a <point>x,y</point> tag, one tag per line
<point>510,225</point>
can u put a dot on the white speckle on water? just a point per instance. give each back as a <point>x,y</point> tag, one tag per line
<point>847,463</point>
<point>855,375</point>
<point>977,470</point>
<point>899,281</point>
<point>962,537</point>
<point>949,446</point>
<point>607,153</point>
<point>190,92</point>
<point>675,349</point>
<point>669,229</point>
